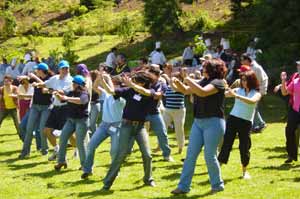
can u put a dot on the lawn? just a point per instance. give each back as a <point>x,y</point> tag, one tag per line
<point>35,177</point>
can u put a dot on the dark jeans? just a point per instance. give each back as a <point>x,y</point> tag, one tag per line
<point>127,132</point>
<point>13,113</point>
<point>236,125</point>
<point>188,62</point>
<point>290,133</point>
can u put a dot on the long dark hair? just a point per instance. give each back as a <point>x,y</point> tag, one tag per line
<point>143,77</point>
<point>252,82</point>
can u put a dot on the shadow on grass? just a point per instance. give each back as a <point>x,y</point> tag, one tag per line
<point>26,166</point>
<point>95,193</point>
<point>49,174</point>
<point>187,196</point>
<point>7,134</point>
<point>80,182</point>
<point>9,153</point>
<point>282,167</point>
<point>277,149</point>
<point>282,156</point>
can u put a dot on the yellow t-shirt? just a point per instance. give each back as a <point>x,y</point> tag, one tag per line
<point>8,101</point>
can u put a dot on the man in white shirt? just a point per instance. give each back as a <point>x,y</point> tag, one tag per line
<point>111,58</point>
<point>209,47</point>
<point>61,83</point>
<point>157,56</point>
<point>188,55</point>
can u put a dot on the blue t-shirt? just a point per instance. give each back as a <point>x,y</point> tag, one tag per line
<point>241,109</point>
<point>112,108</point>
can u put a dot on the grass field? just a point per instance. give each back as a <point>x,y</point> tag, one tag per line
<point>35,177</point>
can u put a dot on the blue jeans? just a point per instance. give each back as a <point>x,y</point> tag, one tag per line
<point>23,126</point>
<point>258,121</point>
<point>94,115</point>
<point>206,132</point>
<point>37,113</point>
<point>157,124</point>
<point>80,127</point>
<point>103,131</point>
<point>127,132</point>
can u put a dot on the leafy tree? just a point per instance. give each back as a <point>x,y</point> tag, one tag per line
<point>162,16</point>
<point>10,24</point>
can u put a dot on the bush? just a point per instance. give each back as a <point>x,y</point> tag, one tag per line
<point>10,24</point>
<point>70,56</point>
<point>200,46</point>
<point>126,29</point>
<point>240,41</point>
<point>199,21</point>
<point>162,16</point>
<point>36,28</point>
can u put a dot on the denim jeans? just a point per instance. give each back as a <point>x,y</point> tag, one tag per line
<point>157,124</point>
<point>23,126</point>
<point>103,131</point>
<point>127,132</point>
<point>94,115</point>
<point>13,113</point>
<point>80,127</point>
<point>206,132</point>
<point>37,113</point>
<point>258,120</point>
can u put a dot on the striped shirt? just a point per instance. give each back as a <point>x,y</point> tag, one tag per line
<point>173,99</point>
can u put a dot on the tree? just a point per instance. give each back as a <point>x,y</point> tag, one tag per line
<point>10,24</point>
<point>162,16</point>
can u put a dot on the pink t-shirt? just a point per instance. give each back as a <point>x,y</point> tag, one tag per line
<point>294,89</point>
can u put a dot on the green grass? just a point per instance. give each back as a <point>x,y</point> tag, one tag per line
<point>35,177</point>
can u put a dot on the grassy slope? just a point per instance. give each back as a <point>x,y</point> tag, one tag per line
<point>35,177</point>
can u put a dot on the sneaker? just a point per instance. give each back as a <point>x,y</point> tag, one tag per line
<point>246,176</point>
<point>53,156</point>
<point>215,190</point>
<point>169,159</point>
<point>44,152</point>
<point>151,183</point>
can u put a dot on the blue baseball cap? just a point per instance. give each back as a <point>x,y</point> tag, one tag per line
<point>78,79</point>
<point>41,66</point>
<point>63,64</point>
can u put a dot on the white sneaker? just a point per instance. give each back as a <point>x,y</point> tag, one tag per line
<point>169,159</point>
<point>246,176</point>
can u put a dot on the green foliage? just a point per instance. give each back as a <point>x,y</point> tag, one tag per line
<point>126,29</point>
<point>200,46</point>
<point>239,41</point>
<point>9,26</point>
<point>33,41</point>
<point>36,27</point>
<point>162,16</point>
<point>68,41</point>
<point>56,54</point>
<point>92,4</point>
<point>77,10</point>
<point>198,20</point>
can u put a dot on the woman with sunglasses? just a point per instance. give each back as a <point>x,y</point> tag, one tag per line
<point>209,125</point>
<point>241,119</point>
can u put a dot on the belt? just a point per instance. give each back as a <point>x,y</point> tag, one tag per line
<point>59,107</point>
<point>132,122</point>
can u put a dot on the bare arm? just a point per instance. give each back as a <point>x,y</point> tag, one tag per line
<point>284,90</point>
<point>199,90</point>
<point>107,85</point>
<point>180,87</point>
<point>141,90</point>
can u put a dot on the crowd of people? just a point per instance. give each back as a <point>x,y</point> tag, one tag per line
<point>48,104</point>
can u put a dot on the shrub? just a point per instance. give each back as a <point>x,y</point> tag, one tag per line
<point>36,28</point>
<point>10,24</point>
<point>126,29</point>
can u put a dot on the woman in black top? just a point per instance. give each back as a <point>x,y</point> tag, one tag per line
<point>39,111</point>
<point>209,125</point>
<point>77,120</point>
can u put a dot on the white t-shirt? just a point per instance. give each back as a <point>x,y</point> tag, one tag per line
<point>22,91</point>
<point>56,83</point>
<point>111,60</point>
<point>158,57</point>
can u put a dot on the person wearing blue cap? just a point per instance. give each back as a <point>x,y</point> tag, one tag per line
<point>77,120</point>
<point>61,83</point>
<point>39,110</point>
